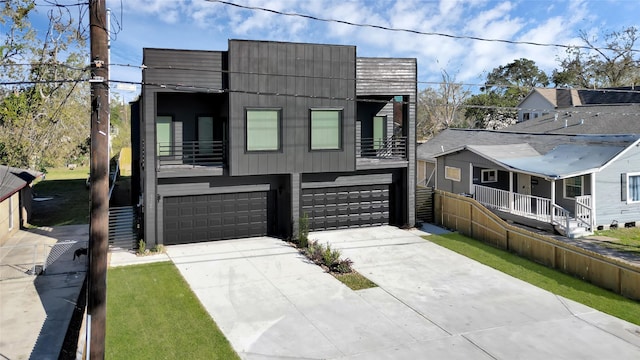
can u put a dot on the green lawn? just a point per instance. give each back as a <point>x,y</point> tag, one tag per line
<point>624,239</point>
<point>68,201</point>
<point>152,314</point>
<point>355,281</point>
<point>542,276</point>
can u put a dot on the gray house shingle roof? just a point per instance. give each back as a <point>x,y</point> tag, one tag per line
<point>452,139</point>
<point>13,179</point>
<point>600,119</point>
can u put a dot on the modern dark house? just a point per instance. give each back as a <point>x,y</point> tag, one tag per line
<point>248,141</point>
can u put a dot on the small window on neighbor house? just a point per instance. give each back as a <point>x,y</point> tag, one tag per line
<point>489,175</point>
<point>11,213</point>
<point>573,187</point>
<point>525,116</point>
<point>263,130</point>
<point>164,135</point>
<point>452,173</point>
<point>325,129</point>
<point>632,187</point>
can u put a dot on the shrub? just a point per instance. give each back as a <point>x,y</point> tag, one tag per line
<point>330,256</point>
<point>343,266</point>
<point>303,231</point>
<point>142,246</point>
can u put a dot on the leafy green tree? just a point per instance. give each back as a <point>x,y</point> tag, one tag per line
<point>44,112</point>
<point>609,61</point>
<point>504,88</point>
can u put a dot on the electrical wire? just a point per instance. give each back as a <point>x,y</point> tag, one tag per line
<point>411,31</point>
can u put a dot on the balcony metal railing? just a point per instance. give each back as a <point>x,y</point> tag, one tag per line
<point>394,147</point>
<point>191,153</point>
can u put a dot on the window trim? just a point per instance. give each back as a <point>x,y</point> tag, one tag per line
<point>11,212</point>
<point>452,168</point>
<point>487,171</point>
<point>564,187</point>
<point>340,123</point>
<point>246,129</point>
<point>627,184</point>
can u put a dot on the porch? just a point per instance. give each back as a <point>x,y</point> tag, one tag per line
<point>570,223</point>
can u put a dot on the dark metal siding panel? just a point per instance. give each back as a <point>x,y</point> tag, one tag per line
<point>303,76</point>
<point>184,68</point>
<point>148,173</point>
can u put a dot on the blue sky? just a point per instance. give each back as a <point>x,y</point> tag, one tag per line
<point>207,25</point>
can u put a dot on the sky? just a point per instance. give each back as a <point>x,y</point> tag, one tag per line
<point>208,25</point>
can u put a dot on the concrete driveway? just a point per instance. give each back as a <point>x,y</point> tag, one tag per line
<point>431,303</point>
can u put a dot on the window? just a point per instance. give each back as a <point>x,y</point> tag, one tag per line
<point>573,187</point>
<point>325,129</point>
<point>631,185</point>
<point>164,135</point>
<point>489,175</point>
<point>452,173</point>
<point>263,130</point>
<point>379,127</point>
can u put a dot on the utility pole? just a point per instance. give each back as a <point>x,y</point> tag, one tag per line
<point>99,221</point>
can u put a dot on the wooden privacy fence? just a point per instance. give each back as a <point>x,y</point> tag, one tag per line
<point>470,218</point>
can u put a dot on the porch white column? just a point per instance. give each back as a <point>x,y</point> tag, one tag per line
<point>592,216</point>
<point>553,198</point>
<point>510,191</point>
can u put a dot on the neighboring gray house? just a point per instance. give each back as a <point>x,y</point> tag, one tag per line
<point>15,199</point>
<point>247,141</point>
<point>541,102</point>
<point>592,119</point>
<point>576,183</point>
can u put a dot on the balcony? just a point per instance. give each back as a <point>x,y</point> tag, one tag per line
<point>205,156</point>
<point>376,153</point>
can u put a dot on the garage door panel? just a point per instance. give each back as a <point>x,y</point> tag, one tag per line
<point>346,207</point>
<point>198,218</point>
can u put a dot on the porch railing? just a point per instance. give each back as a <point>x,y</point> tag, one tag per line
<point>584,210</point>
<point>390,148</point>
<point>532,206</point>
<point>191,153</point>
<point>537,208</point>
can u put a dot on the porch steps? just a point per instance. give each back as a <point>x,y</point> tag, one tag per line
<point>575,230</point>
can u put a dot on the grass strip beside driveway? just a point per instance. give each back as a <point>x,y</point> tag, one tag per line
<point>153,314</point>
<point>541,276</point>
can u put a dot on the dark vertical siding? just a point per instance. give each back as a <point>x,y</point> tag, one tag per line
<point>294,78</point>
<point>183,69</point>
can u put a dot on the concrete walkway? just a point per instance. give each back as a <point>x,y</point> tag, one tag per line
<point>431,303</point>
<point>35,310</point>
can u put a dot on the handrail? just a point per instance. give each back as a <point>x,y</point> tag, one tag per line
<point>191,153</point>
<point>391,147</point>
<point>560,213</point>
<point>115,175</point>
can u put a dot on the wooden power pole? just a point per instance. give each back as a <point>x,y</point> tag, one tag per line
<point>99,222</point>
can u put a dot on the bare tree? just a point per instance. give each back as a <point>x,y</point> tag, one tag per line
<point>439,108</point>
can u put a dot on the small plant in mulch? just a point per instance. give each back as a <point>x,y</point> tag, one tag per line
<point>328,258</point>
<point>143,251</point>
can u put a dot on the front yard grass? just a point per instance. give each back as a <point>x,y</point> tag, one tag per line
<point>152,314</point>
<point>355,281</point>
<point>623,239</point>
<point>541,276</point>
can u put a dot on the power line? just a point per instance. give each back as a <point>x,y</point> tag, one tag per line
<point>412,31</point>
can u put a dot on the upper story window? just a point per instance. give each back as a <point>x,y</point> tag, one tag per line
<point>573,187</point>
<point>263,129</point>
<point>164,135</point>
<point>326,132</point>
<point>489,175</point>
